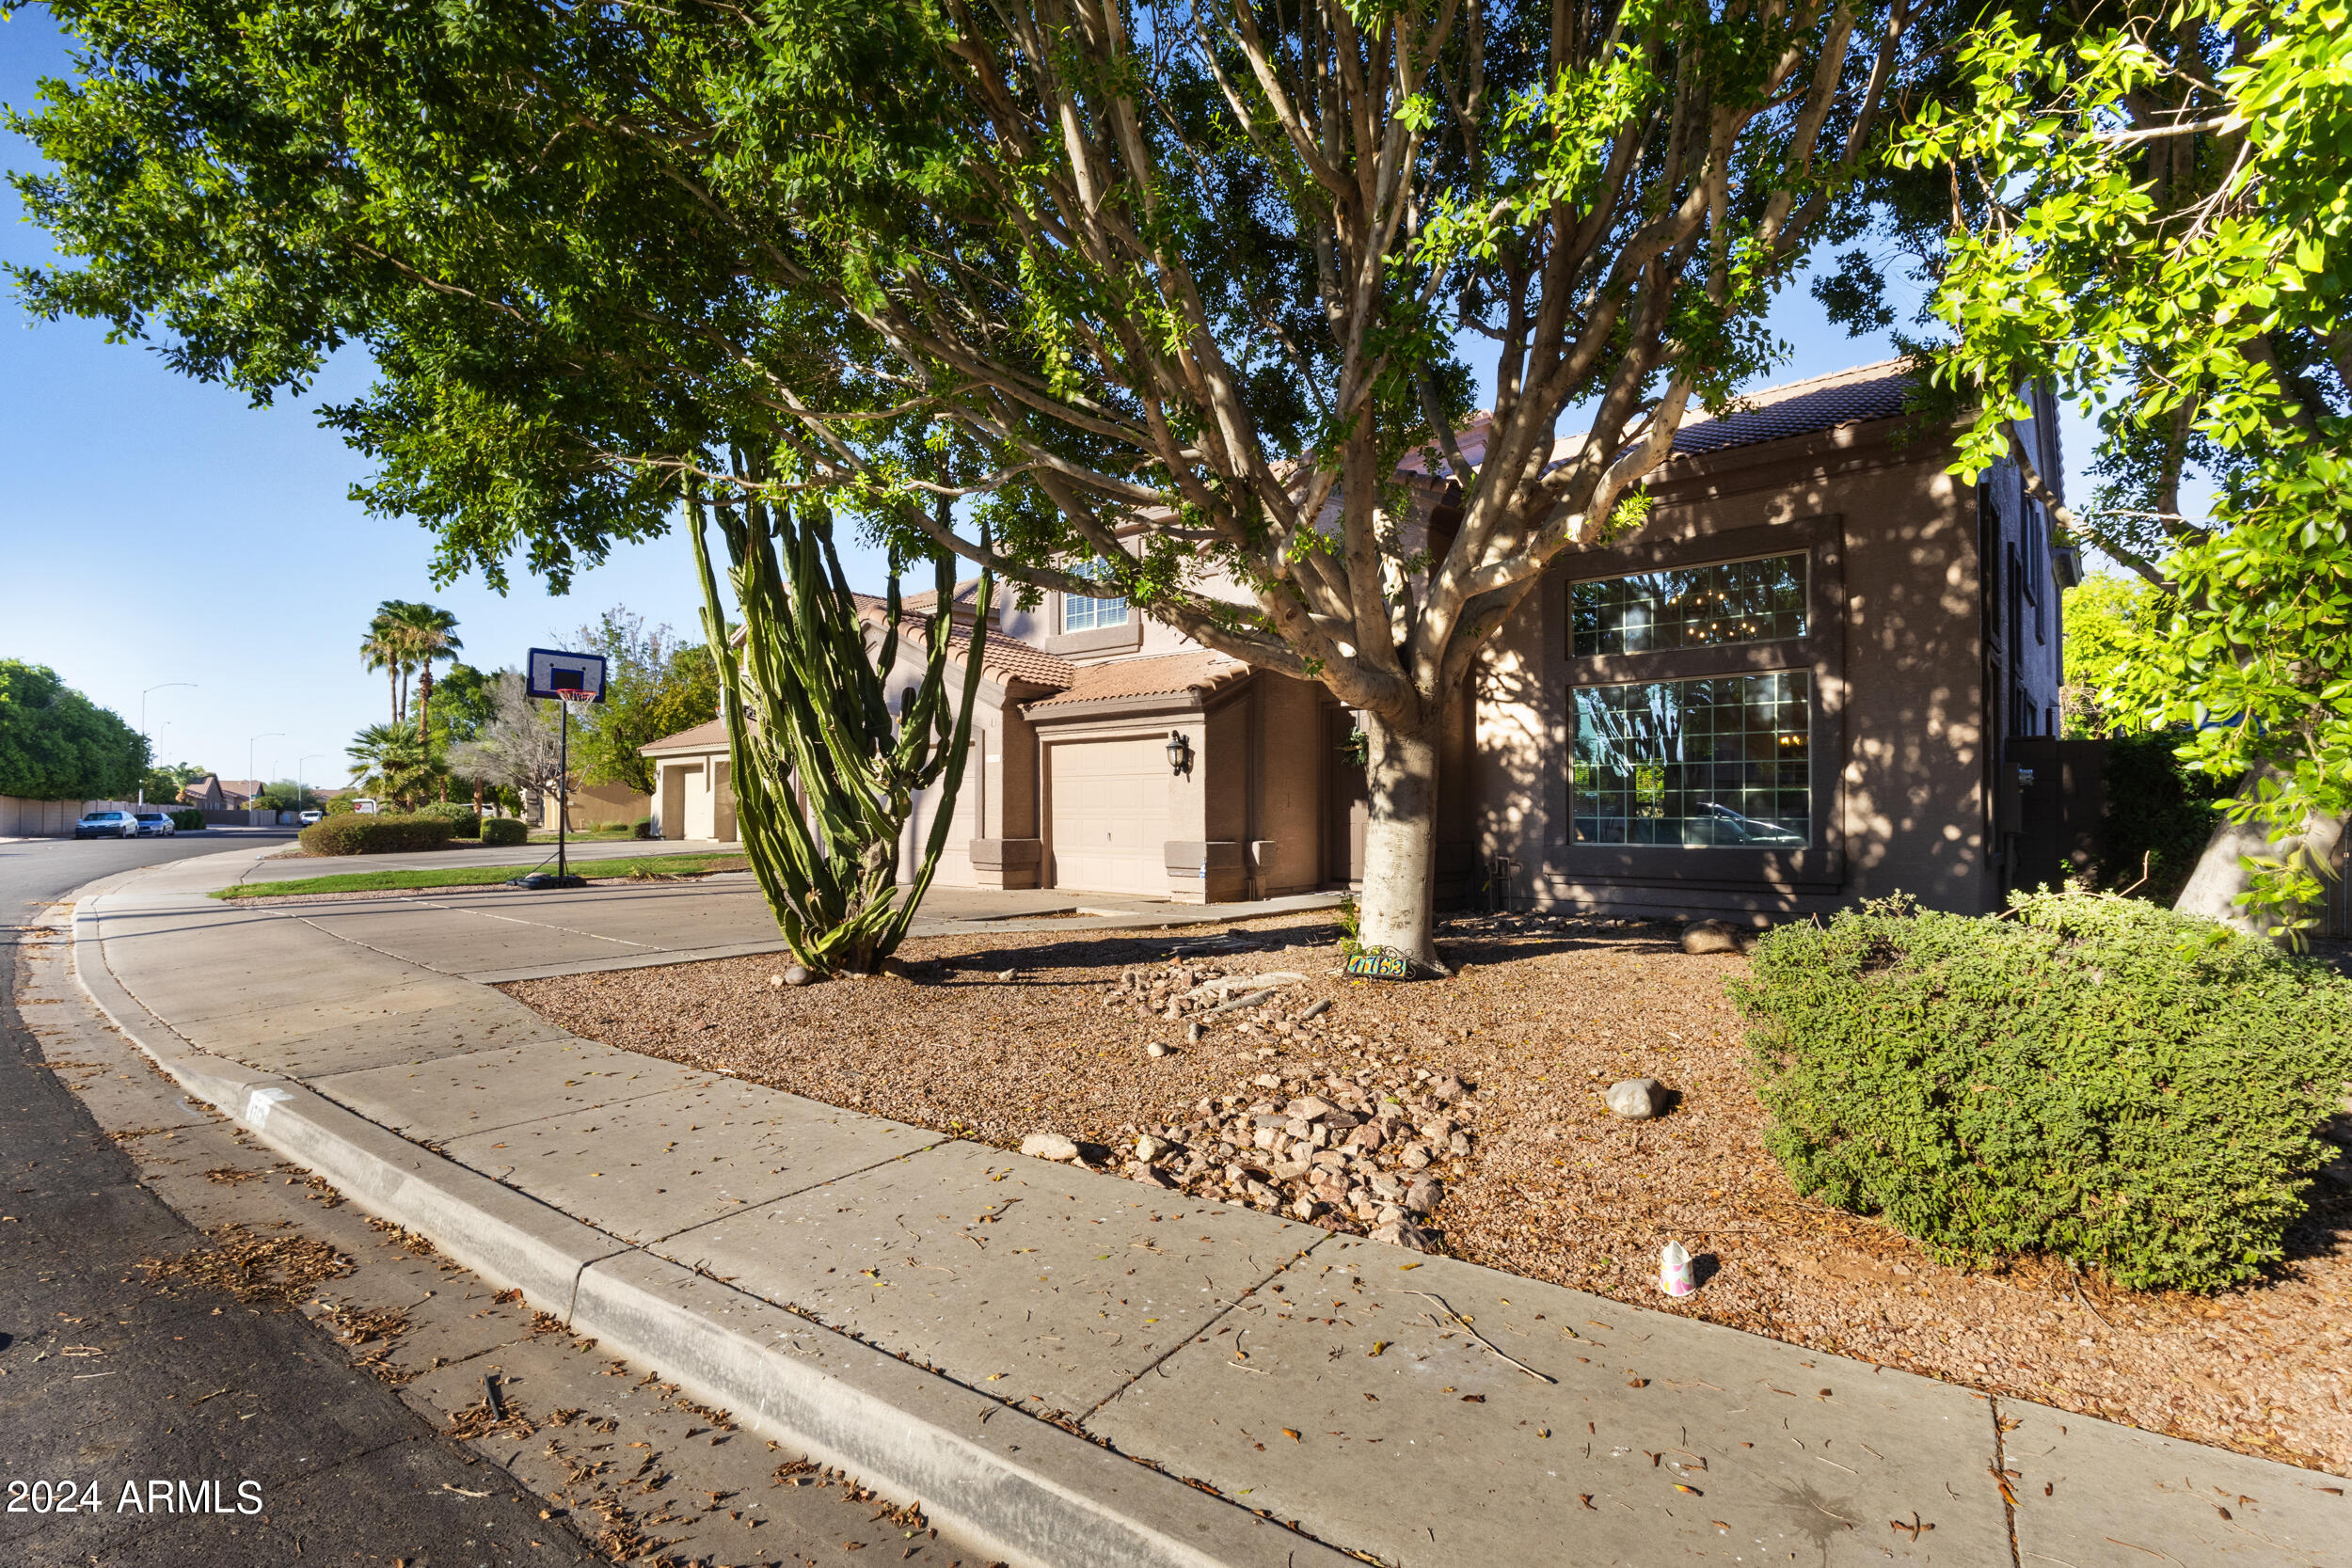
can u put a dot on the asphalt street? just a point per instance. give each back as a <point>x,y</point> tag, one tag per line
<point>187,1428</point>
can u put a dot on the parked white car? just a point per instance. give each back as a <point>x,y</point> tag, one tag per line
<point>313,815</point>
<point>155,824</point>
<point>106,824</point>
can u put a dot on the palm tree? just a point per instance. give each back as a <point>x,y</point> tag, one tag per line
<point>426,634</point>
<point>392,762</point>
<point>386,648</point>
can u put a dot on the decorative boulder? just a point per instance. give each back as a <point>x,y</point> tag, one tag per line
<point>1401,1233</point>
<point>1636,1098</point>
<point>1048,1146</point>
<point>1710,936</point>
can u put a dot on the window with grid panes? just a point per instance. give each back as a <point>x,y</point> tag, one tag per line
<point>1697,607</point>
<point>1717,761</point>
<point>1079,613</point>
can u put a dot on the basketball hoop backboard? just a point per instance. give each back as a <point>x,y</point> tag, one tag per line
<point>554,672</point>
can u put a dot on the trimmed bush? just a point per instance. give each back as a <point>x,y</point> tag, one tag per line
<point>363,833</point>
<point>643,828</point>
<point>189,821</point>
<point>2087,1075</point>
<point>464,821</point>
<point>504,832</point>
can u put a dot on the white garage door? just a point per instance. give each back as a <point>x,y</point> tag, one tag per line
<point>1110,815</point>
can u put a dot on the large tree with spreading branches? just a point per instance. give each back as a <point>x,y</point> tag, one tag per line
<point>1162,296</point>
<point>2148,210</point>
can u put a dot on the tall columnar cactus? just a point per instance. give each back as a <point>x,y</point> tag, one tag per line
<point>825,777</point>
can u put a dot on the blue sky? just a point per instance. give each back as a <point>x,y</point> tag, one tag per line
<point>153,529</point>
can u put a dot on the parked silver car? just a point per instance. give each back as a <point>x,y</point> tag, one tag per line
<point>155,824</point>
<point>106,824</point>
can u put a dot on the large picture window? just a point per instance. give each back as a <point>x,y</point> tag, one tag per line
<point>1084,614</point>
<point>1696,606</point>
<point>1724,760</point>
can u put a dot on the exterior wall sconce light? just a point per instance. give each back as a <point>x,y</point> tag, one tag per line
<point>1179,754</point>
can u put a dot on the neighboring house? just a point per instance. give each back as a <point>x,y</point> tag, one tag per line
<point>214,793</point>
<point>692,797</point>
<point>1790,689</point>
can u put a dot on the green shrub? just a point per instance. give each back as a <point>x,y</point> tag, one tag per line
<point>504,832</point>
<point>188,821</point>
<point>643,828</point>
<point>2090,1076</point>
<point>339,806</point>
<point>364,833</point>
<point>464,821</point>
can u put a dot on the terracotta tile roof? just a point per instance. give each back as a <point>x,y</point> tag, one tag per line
<point>701,737</point>
<point>1165,675</point>
<point>1005,658</point>
<point>1818,403</point>
<point>965,596</point>
<point>1009,659</point>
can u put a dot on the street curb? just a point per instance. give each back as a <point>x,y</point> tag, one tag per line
<point>1036,1494</point>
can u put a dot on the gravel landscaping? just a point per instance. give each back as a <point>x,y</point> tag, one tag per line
<point>1487,1092</point>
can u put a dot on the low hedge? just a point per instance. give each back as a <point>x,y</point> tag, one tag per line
<point>190,821</point>
<point>464,821</point>
<point>2086,1076</point>
<point>504,832</point>
<point>369,833</point>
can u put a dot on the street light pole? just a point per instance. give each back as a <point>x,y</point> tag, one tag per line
<point>265,735</point>
<point>143,731</point>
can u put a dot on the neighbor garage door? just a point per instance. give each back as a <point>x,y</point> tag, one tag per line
<point>1109,814</point>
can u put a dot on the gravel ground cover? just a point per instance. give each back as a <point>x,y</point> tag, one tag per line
<point>1001,1035</point>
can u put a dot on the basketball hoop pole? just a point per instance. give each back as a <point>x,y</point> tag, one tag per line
<point>563,790</point>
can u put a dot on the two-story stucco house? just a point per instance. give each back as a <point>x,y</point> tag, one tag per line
<point>1793,689</point>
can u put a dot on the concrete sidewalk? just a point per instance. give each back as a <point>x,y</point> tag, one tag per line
<point>999,1338</point>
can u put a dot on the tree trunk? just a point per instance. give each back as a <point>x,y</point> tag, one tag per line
<point>2222,872</point>
<point>1401,839</point>
<point>424,704</point>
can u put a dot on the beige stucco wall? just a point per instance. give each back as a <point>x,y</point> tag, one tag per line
<point>689,806</point>
<point>998,796</point>
<point>1913,764</point>
<point>1142,638</point>
<point>593,805</point>
<point>23,818</point>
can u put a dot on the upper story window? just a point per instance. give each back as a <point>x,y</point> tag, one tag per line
<point>1698,607</point>
<point>1084,614</point>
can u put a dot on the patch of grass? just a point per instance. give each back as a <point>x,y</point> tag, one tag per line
<point>637,868</point>
<point>588,834</point>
